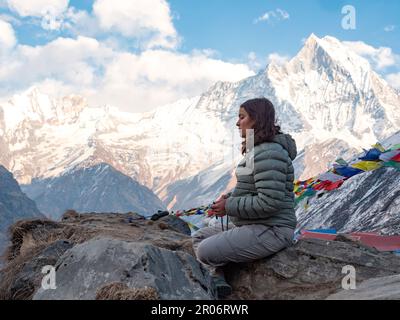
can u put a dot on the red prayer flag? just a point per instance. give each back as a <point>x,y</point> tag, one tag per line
<point>396,158</point>
<point>334,185</point>
<point>381,243</point>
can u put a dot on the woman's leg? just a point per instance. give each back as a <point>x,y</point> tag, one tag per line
<point>243,244</point>
<point>203,234</point>
<point>222,288</point>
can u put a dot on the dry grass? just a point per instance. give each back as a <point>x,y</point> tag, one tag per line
<point>10,273</point>
<point>187,246</point>
<point>120,291</point>
<point>30,237</point>
<point>23,238</point>
<point>163,226</point>
<point>70,214</point>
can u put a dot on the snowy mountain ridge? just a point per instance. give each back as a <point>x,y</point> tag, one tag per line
<point>327,97</point>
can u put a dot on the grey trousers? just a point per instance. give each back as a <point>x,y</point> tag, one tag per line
<point>215,247</point>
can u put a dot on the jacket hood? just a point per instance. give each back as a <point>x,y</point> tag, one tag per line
<point>288,143</point>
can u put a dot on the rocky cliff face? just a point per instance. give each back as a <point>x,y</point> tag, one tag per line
<point>14,205</point>
<point>114,256</point>
<point>100,188</point>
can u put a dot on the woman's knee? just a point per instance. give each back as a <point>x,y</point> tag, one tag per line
<point>207,253</point>
<point>202,252</point>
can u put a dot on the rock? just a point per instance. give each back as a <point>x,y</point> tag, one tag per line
<point>311,269</point>
<point>177,224</point>
<point>123,256</point>
<point>383,288</point>
<point>30,276</point>
<point>143,260</point>
<point>83,270</point>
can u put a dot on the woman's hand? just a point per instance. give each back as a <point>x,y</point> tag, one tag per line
<point>218,206</point>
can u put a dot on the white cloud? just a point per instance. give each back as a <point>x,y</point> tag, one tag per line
<point>149,21</point>
<point>78,21</point>
<point>157,77</point>
<point>51,22</point>
<point>51,12</point>
<point>284,14</point>
<point>7,36</point>
<point>278,59</point>
<point>389,28</point>
<point>254,62</point>
<point>38,8</point>
<point>380,58</point>
<point>104,71</point>
<point>277,14</point>
<point>133,82</point>
<point>72,62</point>
<point>394,80</point>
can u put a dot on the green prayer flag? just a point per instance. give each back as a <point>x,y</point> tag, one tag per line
<point>393,164</point>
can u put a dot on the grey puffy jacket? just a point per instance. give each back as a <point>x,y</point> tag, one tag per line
<point>264,195</point>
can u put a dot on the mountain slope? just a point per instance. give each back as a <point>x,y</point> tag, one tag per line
<point>14,205</point>
<point>366,202</point>
<point>369,201</point>
<point>100,188</point>
<point>200,189</point>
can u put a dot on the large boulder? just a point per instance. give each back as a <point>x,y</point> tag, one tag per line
<point>382,288</point>
<point>86,268</point>
<point>104,255</point>
<point>311,269</point>
<point>124,256</point>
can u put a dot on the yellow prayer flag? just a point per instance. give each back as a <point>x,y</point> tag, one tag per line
<point>367,165</point>
<point>379,147</point>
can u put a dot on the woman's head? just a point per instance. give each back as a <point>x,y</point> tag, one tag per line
<point>258,114</point>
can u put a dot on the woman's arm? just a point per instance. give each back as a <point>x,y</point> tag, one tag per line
<point>270,174</point>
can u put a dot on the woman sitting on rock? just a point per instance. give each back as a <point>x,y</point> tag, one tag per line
<point>261,206</point>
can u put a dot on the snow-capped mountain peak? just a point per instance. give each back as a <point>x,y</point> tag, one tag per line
<point>35,106</point>
<point>329,54</point>
<point>326,97</point>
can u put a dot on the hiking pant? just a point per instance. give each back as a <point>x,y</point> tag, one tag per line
<point>216,248</point>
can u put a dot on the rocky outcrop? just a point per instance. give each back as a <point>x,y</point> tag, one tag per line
<point>85,269</point>
<point>311,269</point>
<point>118,256</point>
<point>382,288</point>
<point>93,253</point>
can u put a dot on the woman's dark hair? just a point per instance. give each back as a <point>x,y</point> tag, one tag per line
<point>262,111</point>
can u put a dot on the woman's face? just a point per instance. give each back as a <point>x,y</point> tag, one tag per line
<point>244,122</point>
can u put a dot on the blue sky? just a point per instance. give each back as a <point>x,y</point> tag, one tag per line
<point>227,26</point>
<point>235,38</point>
